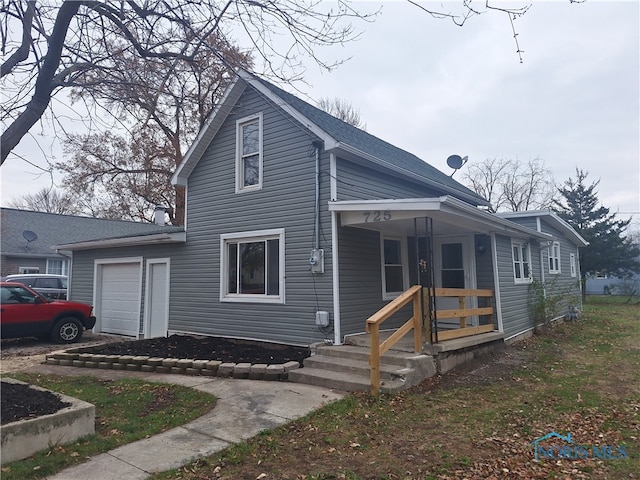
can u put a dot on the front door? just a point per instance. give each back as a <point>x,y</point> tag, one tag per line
<point>454,269</point>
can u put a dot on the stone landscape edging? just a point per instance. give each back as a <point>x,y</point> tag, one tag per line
<point>79,357</point>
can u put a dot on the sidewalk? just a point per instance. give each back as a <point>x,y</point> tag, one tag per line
<point>244,408</point>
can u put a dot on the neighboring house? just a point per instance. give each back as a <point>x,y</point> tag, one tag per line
<point>299,227</point>
<point>27,238</point>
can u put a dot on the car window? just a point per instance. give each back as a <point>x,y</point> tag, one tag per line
<point>46,283</point>
<point>15,295</point>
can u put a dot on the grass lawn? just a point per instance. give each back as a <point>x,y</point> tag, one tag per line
<point>126,410</point>
<point>581,378</point>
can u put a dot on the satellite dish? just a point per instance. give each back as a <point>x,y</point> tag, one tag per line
<point>29,236</point>
<point>456,162</point>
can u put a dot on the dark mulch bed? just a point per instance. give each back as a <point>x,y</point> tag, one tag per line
<point>207,348</point>
<point>14,407</point>
<point>21,402</point>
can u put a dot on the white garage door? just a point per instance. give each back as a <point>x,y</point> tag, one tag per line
<point>119,302</point>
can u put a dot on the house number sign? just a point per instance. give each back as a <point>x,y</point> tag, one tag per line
<point>377,216</point>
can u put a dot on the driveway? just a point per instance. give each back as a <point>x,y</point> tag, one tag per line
<point>19,353</point>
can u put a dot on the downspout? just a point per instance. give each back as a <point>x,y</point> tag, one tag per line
<point>316,240</point>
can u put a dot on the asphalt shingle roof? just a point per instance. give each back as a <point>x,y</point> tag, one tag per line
<point>52,229</point>
<point>370,144</point>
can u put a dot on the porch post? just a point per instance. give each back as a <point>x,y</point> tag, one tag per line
<point>337,335</point>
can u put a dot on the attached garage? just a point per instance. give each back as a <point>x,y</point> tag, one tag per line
<point>117,295</point>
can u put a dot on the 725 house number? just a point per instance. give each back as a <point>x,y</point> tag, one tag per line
<point>377,216</point>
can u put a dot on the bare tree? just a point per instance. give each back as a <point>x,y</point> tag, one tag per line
<point>122,176</point>
<point>510,185</point>
<point>59,45</point>
<point>162,103</point>
<point>47,200</point>
<point>342,109</point>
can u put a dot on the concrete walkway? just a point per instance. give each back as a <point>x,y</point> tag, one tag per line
<point>244,408</point>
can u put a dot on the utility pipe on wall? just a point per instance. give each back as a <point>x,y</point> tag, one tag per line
<point>316,242</point>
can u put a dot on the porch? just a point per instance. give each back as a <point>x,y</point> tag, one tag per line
<point>396,359</point>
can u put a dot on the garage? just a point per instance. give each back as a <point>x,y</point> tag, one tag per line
<point>118,296</point>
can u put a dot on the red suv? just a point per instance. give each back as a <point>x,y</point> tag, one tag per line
<point>26,313</point>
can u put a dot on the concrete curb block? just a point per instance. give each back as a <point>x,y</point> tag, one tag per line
<point>180,366</point>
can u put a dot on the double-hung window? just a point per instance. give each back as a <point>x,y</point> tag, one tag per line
<point>521,262</point>
<point>252,268</point>
<point>393,268</point>
<point>572,264</point>
<point>249,154</point>
<point>554,257</point>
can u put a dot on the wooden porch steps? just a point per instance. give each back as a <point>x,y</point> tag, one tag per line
<point>346,368</point>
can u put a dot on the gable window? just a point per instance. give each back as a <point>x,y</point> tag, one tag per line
<point>393,268</point>
<point>252,268</point>
<point>554,257</point>
<point>521,262</point>
<point>249,154</point>
<point>57,266</point>
<point>572,264</point>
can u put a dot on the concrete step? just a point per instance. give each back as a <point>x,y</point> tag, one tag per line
<point>356,367</point>
<point>347,382</point>
<point>346,367</point>
<point>362,353</point>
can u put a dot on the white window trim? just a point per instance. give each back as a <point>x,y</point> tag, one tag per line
<point>553,249</point>
<point>522,279</point>
<point>405,267</point>
<point>240,187</point>
<point>572,265</point>
<point>256,235</point>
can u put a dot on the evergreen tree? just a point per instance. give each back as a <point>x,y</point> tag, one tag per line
<point>610,250</point>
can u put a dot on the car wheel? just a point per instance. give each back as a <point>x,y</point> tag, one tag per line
<point>67,330</point>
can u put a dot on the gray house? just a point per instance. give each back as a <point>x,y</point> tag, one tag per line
<point>299,227</point>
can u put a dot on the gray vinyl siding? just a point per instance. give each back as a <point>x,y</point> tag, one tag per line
<point>81,283</point>
<point>562,283</point>
<point>361,281</point>
<point>484,273</point>
<point>556,283</point>
<point>287,201</point>
<point>516,317</point>
<point>358,182</point>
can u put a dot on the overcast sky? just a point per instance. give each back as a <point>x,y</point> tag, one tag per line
<point>435,89</point>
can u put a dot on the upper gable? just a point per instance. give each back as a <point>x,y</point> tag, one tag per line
<point>337,136</point>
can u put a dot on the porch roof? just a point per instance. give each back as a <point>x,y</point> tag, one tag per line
<point>450,215</point>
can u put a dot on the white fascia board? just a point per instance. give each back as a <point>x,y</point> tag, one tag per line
<point>209,129</point>
<point>408,173</point>
<point>415,207</point>
<point>158,238</point>
<point>329,142</point>
<point>551,217</point>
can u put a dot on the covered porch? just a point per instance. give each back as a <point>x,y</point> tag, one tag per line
<point>451,262</point>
